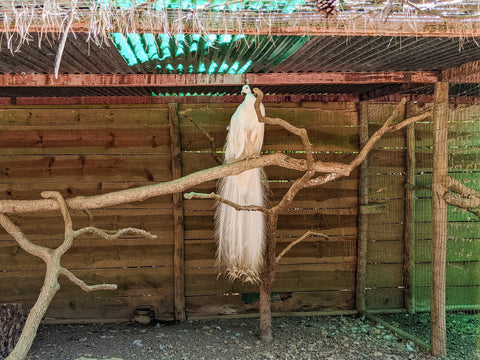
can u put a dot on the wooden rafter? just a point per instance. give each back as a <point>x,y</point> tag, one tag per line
<point>96,80</point>
<point>466,73</point>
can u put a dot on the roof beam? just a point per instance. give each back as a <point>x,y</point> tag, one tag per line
<point>351,23</point>
<point>101,80</point>
<point>134,100</point>
<point>466,73</point>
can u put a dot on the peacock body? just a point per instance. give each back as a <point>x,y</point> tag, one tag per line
<point>240,234</point>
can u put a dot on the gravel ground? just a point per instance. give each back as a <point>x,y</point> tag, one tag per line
<point>329,338</point>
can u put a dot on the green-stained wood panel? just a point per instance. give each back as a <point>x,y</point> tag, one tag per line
<point>463,228</point>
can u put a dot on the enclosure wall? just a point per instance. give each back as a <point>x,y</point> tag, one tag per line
<point>399,242</point>
<point>94,149</point>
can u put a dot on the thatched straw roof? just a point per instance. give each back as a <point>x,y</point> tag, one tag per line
<point>99,18</point>
<point>365,48</point>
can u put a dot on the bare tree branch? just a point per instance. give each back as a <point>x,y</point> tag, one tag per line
<point>298,185</point>
<point>409,121</point>
<point>460,188</point>
<point>177,185</point>
<point>69,235</point>
<point>470,204</point>
<point>83,285</point>
<point>211,139</point>
<point>301,238</point>
<point>24,242</point>
<point>300,132</point>
<point>238,207</point>
<point>52,259</point>
<point>377,135</point>
<point>462,196</point>
<point>114,235</point>
<point>324,179</point>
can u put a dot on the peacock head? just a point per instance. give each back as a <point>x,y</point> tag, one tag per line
<point>246,89</point>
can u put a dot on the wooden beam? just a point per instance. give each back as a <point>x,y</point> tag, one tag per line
<point>439,219</point>
<point>101,80</point>
<point>466,73</point>
<point>362,244</point>
<point>125,100</point>
<point>350,23</point>
<point>178,231</point>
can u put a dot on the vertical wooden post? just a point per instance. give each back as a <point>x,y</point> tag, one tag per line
<point>439,219</point>
<point>362,242</point>
<point>179,247</point>
<point>409,215</point>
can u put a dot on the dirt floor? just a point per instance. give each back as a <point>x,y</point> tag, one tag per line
<point>329,338</point>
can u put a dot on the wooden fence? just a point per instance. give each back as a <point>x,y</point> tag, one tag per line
<point>86,150</point>
<point>93,149</point>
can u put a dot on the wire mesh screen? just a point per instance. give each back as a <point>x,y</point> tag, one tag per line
<point>405,240</point>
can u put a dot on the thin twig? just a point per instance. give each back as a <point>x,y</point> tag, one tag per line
<point>112,236</point>
<point>83,285</point>
<point>211,139</point>
<point>238,207</point>
<point>409,121</point>
<point>301,238</point>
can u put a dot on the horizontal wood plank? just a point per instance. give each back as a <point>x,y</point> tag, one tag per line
<point>312,277</point>
<point>93,168</point>
<point>90,307</point>
<point>312,250</point>
<point>21,140</point>
<point>91,255</point>
<point>384,298</point>
<point>25,285</point>
<point>217,305</point>
<point>92,115</point>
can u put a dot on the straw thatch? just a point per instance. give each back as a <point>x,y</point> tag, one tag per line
<point>99,18</point>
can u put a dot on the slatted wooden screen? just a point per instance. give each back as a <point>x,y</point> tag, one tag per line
<point>399,264</point>
<point>316,274</point>
<point>385,231</point>
<point>463,243</point>
<point>87,150</point>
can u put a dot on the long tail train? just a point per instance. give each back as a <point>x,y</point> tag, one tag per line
<point>240,234</point>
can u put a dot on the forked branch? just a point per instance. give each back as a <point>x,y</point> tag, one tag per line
<point>52,258</point>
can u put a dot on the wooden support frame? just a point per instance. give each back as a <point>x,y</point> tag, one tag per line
<point>439,219</point>
<point>114,80</point>
<point>178,230</point>
<point>362,243</point>
<point>409,216</point>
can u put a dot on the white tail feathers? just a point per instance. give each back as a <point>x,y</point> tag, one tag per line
<point>240,234</point>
